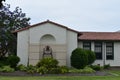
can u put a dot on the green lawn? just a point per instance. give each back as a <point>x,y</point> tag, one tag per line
<point>63,78</point>
<point>116,76</point>
<point>115,72</point>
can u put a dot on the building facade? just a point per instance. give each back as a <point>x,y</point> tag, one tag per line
<point>32,41</point>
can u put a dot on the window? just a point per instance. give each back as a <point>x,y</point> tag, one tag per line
<point>87,45</point>
<point>109,51</point>
<point>98,50</point>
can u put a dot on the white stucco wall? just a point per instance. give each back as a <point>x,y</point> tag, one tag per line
<point>37,32</point>
<point>59,33</point>
<point>71,44</point>
<point>22,46</point>
<point>31,38</point>
<point>115,62</point>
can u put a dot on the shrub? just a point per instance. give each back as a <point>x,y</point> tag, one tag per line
<point>85,70</point>
<point>7,69</point>
<point>55,70</point>
<point>91,56</point>
<point>22,67</point>
<point>96,67</point>
<point>13,61</point>
<point>74,70</point>
<point>48,63</point>
<point>31,69</point>
<point>64,69</point>
<point>3,61</point>
<point>1,64</point>
<point>50,66</point>
<point>107,66</point>
<point>79,58</point>
<point>42,70</point>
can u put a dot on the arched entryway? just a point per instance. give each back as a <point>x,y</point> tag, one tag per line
<point>46,41</point>
<point>58,50</point>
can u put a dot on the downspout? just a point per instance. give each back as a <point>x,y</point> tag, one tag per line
<point>28,45</point>
<point>104,53</point>
<point>39,49</point>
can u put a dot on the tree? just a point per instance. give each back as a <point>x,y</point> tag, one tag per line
<point>10,21</point>
<point>1,3</point>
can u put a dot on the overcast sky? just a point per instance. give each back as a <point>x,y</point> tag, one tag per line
<point>81,15</point>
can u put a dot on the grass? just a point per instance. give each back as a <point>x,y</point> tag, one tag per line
<point>63,78</point>
<point>115,76</point>
<point>115,72</point>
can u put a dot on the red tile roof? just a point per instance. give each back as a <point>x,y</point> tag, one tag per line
<point>99,36</point>
<point>48,21</point>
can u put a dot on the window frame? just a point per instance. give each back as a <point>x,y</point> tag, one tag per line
<point>100,53</point>
<point>89,46</point>
<point>109,52</point>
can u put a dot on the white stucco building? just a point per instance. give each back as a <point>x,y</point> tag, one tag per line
<point>32,40</point>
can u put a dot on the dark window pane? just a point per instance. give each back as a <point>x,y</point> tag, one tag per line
<point>98,50</point>
<point>109,51</point>
<point>87,45</point>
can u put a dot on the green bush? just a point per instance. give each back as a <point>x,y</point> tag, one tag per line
<point>96,67</point>
<point>1,64</point>
<point>7,69</point>
<point>31,69</point>
<point>79,58</point>
<point>42,70</point>
<point>3,61</point>
<point>107,66</point>
<point>10,60</point>
<point>13,61</point>
<point>85,70</point>
<point>48,63</point>
<point>64,69</point>
<point>50,66</point>
<point>91,56</point>
<point>55,70</point>
<point>22,67</point>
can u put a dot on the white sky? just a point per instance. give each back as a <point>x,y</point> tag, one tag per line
<point>81,15</point>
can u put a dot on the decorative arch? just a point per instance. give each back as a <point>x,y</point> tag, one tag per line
<point>47,39</point>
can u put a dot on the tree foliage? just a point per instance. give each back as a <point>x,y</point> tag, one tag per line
<point>1,4</point>
<point>10,21</point>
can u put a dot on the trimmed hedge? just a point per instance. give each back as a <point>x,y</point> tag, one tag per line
<point>91,56</point>
<point>79,59</point>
